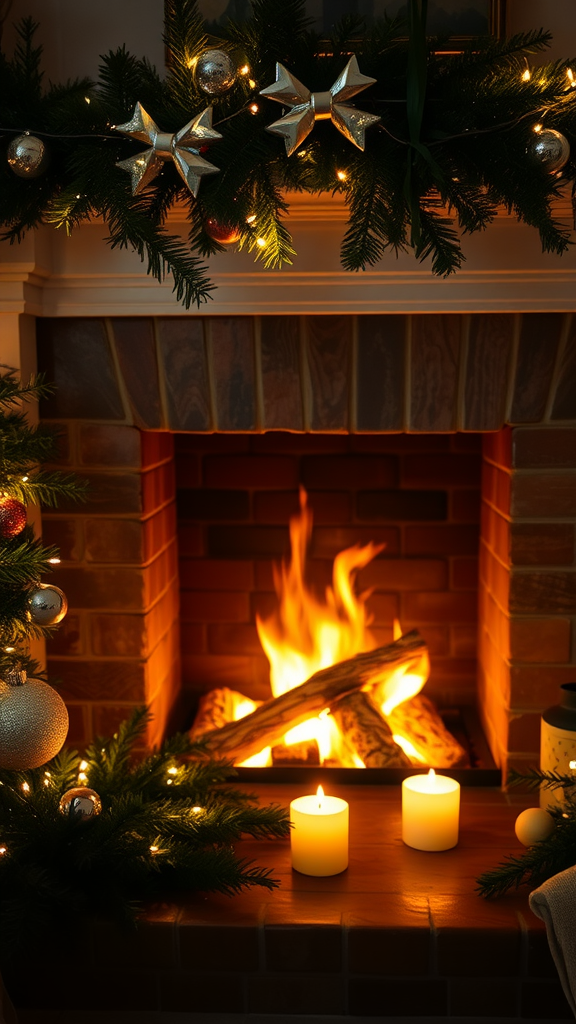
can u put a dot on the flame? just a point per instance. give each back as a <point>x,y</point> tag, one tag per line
<point>306,633</point>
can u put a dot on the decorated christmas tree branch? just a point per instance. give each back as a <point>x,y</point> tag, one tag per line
<point>548,856</point>
<point>102,833</point>
<point>435,144</point>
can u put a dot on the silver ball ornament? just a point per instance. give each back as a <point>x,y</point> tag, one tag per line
<point>215,72</point>
<point>81,802</point>
<point>550,149</point>
<point>27,156</point>
<point>33,722</point>
<point>47,604</point>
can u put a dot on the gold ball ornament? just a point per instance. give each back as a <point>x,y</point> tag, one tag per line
<point>47,604</point>
<point>27,156</point>
<point>81,802</point>
<point>533,825</point>
<point>33,722</point>
<point>550,149</point>
<point>215,72</point>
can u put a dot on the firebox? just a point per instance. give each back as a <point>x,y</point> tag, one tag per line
<point>300,551</point>
<point>450,439</point>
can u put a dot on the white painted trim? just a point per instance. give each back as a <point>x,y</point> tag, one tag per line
<point>50,274</point>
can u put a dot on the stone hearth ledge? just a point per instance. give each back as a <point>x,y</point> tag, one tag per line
<point>399,934</point>
<point>50,274</point>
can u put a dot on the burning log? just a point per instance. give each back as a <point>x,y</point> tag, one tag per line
<point>367,731</point>
<point>268,723</point>
<point>218,707</point>
<point>292,755</point>
<point>419,722</point>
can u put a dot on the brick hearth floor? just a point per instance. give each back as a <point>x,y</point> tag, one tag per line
<point>400,935</point>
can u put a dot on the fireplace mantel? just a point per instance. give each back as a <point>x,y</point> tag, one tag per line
<point>50,274</point>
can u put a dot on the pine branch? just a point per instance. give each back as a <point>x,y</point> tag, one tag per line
<point>22,562</point>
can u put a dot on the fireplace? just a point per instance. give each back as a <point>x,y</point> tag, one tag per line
<point>449,437</point>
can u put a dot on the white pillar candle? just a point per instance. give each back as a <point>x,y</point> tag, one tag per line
<point>319,834</point>
<point>430,811</point>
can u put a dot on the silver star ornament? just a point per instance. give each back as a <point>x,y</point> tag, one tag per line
<point>309,107</point>
<point>182,147</point>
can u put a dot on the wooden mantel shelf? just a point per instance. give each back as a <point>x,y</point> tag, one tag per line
<point>49,274</point>
<point>400,933</point>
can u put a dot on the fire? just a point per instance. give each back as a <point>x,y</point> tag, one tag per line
<point>306,633</point>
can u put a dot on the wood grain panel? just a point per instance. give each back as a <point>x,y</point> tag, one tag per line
<point>434,369</point>
<point>329,354</point>
<point>75,354</point>
<point>136,350</point>
<point>183,357</point>
<point>564,406</point>
<point>539,336</point>
<point>380,372</point>
<point>232,350</point>
<point>487,367</point>
<point>281,379</point>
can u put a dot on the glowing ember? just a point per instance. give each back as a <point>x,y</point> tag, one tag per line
<point>305,634</point>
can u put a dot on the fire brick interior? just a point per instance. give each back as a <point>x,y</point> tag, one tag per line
<point>419,495</point>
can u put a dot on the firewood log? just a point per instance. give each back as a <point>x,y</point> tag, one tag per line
<point>293,755</point>
<point>266,726</point>
<point>367,731</point>
<point>215,709</point>
<point>419,721</point>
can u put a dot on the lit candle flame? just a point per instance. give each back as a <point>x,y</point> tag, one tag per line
<point>320,795</point>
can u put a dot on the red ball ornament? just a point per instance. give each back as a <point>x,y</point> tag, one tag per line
<point>226,234</point>
<point>12,517</point>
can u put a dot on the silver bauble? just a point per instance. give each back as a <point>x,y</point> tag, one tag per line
<point>215,72</point>
<point>81,802</point>
<point>27,156</point>
<point>47,604</point>
<point>550,149</point>
<point>33,723</point>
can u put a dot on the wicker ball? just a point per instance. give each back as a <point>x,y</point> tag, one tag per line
<point>33,724</point>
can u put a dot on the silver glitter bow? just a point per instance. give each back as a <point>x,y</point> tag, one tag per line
<point>182,148</point>
<point>309,107</point>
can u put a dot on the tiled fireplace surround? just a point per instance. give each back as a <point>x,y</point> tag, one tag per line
<point>402,427</point>
<point>373,403</point>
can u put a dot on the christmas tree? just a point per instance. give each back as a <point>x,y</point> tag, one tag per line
<point>33,717</point>
<point>103,830</point>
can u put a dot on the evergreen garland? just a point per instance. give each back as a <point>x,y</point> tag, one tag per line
<point>453,135</point>
<point>548,856</point>
<point>167,823</point>
<point>23,558</point>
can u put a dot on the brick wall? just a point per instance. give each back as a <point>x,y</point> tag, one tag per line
<point>119,644</point>
<point>527,643</point>
<point>418,494</point>
<point>347,387</point>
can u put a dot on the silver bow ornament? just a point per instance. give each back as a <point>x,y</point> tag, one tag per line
<point>309,107</point>
<point>182,147</point>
